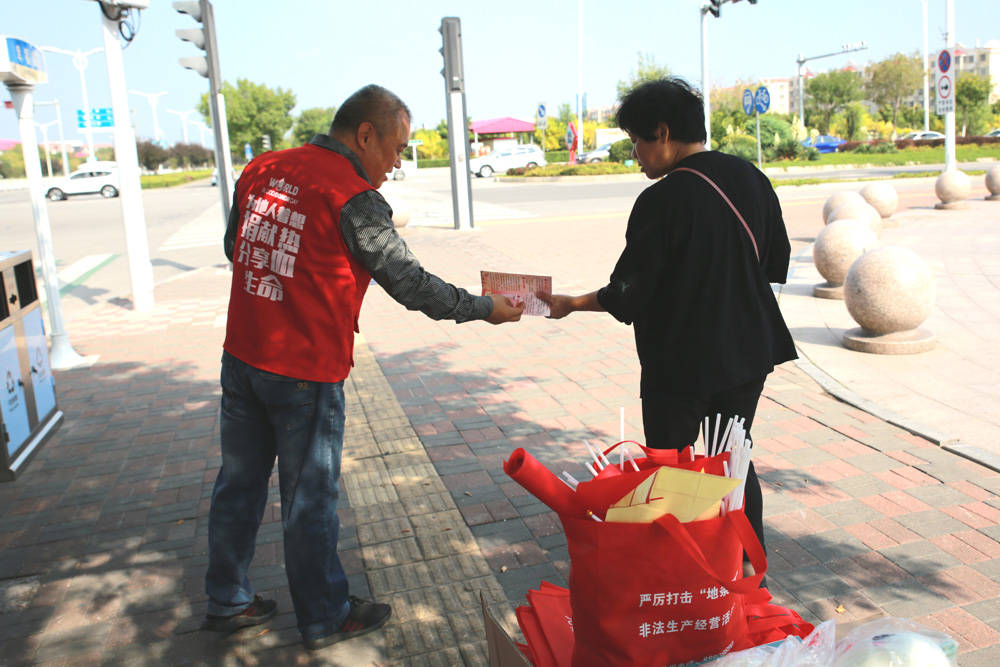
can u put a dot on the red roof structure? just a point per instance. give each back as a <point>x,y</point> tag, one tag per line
<point>501,126</point>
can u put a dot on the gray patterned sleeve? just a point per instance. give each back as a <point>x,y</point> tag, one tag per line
<point>366,223</point>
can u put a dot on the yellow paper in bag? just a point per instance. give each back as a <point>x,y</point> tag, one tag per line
<point>688,495</point>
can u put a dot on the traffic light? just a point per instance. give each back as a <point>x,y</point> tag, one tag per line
<point>451,49</point>
<point>265,141</point>
<point>714,6</point>
<point>204,38</point>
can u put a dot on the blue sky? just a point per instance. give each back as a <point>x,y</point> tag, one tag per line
<point>517,52</point>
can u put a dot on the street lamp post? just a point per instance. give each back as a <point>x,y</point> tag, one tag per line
<point>203,128</point>
<point>846,48</point>
<point>926,70</point>
<point>152,98</point>
<point>44,127</point>
<point>62,139</point>
<point>184,122</point>
<point>80,63</point>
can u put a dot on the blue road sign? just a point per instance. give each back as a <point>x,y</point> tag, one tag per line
<point>748,101</point>
<point>541,111</point>
<point>248,151</point>
<point>944,61</point>
<point>762,100</point>
<point>23,63</point>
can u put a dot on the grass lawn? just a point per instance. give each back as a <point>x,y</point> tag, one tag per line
<point>928,155</point>
<point>167,180</point>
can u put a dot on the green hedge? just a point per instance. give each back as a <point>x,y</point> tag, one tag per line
<point>433,162</point>
<point>167,180</point>
<point>557,156</point>
<point>594,169</point>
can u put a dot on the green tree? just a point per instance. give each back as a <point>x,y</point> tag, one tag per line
<point>151,154</point>
<point>253,110</point>
<point>971,95</point>
<point>190,155</point>
<point>310,122</point>
<point>830,92</point>
<point>434,146</point>
<point>646,70</point>
<point>893,80</point>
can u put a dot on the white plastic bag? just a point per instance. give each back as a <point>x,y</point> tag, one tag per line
<point>885,642</point>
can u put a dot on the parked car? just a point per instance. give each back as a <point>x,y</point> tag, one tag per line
<point>993,133</point>
<point>922,136</point>
<point>599,154</point>
<point>91,178</point>
<point>215,177</point>
<point>527,155</point>
<point>405,168</point>
<point>824,143</point>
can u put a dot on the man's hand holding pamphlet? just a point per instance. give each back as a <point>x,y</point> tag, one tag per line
<point>519,288</point>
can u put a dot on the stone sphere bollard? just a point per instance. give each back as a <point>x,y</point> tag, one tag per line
<point>400,214</point>
<point>882,196</point>
<point>837,246</point>
<point>889,291</point>
<point>838,199</point>
<point>993,183</point>
<point>952,188</point>
<point>858,210</point>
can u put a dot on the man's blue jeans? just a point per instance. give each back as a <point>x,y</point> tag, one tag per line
<point>302,423</point>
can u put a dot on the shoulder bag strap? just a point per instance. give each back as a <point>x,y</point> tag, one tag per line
<point>723,195</point>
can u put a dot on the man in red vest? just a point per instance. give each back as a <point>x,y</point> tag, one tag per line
<point>307,233</point>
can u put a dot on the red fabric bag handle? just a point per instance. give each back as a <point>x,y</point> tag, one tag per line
<point>738,522</point>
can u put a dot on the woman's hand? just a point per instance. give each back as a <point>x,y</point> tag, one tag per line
<point>560,305</point>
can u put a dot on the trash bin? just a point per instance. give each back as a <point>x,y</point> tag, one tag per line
<point>28,412</point>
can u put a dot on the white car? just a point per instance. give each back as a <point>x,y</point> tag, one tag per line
<point>922,136</point>
<point>527,155</point>
<point>599,154</point>
<point>91,178</point>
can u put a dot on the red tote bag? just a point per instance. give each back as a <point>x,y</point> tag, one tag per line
<point>663,593</point>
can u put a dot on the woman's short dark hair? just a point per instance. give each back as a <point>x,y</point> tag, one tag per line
<point>672,101</point>
<point>373,104</point>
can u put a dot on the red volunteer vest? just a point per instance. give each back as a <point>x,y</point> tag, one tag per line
<point>297,291</point>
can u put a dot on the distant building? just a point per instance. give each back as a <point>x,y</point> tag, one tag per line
<point>983,61</point>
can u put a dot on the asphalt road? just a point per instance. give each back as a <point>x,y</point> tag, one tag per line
<point>185,225</point>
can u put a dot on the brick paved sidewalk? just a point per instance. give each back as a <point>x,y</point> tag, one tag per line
<point>102,540</point>
<point>859,514</point>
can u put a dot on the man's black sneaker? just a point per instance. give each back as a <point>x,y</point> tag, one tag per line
<point>259,611</point>
<point>364,617</point>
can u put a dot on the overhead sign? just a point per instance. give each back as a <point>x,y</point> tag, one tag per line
<point>944,87</point>
<point>748,101</point>
<point>762,100</point>
<point>21,62</point>
<point>103,117</point>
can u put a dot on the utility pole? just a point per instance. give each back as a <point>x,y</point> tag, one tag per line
<point>80,60</point>
<point>140,269</point>
<point>62,140</point>
<point>927,73</point>
<point>152,98</point>
<point>44,127</point>
<point>21,81</point>
<point>208,66</point>
<point>183,115</point>
<point>950,161</point>
<point>713,7</point>
<point>458,124</point>
<point>845,48</point>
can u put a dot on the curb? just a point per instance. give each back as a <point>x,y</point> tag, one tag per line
<point>844,394</point>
